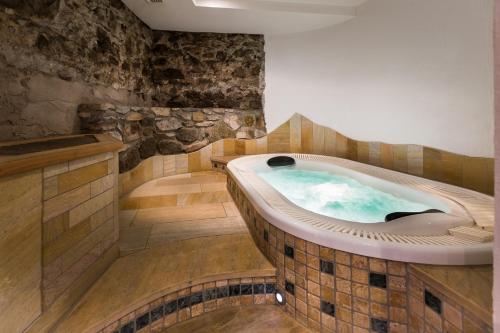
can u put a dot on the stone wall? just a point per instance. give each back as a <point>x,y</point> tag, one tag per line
<point>147,131</point>
<point>208,70</point>
<point>57,54</point>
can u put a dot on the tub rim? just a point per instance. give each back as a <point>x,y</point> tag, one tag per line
<point>443,250</point>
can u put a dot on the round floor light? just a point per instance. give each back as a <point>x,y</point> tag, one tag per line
<point>279,298</point>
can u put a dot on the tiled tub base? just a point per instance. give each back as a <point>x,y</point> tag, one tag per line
<point>194,301</point>
<point>334,291</point>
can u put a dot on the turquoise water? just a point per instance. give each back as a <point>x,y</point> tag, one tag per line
<point>337,196</point>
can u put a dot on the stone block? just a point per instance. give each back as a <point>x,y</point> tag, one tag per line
<point>78,177</point>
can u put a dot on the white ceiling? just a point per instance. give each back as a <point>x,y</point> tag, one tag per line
<point>271,17</point>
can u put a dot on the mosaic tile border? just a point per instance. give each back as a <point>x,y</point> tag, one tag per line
<point>330,290</point>
<point>184,304</point>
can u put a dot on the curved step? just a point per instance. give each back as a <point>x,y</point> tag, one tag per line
<point>141,278</point>
<point>239,320</point>
<point>176,208</point>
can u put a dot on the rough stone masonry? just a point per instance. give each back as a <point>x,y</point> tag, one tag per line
<point>96,56</point>
<point>147,131</point>
<point>57,54</point>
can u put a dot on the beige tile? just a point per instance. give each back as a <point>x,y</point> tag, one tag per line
<point>183,213</point>
<point>63,243</point>
<point>318,139</point>
<point>374,157</point>
<point>50,188</point>
<point>218,148</point>
<point>101,216</point>
<point>126,217</point>
<point>154,189</point>
<point>416,160</point>
<point>157,201</point>
<point>202,198</point>
<point>102,184</point>
<point>134,238</point>
<point>205,155</point>
<point>62,203</point>
<point>20,244</point>
<point>86,209</point>
<point>231,209</point>
<point>166,232</point>
<point>229,147</point>
<point>83,162</point>
<point>55,170</point>
<point>158,166</point>
<point>278,141</point>
<point>194,162</point>
<point>181,163</point>
<point>262,145</point>
<point>88,244</point>
<point>76,178</point>
<point>55,227</point>
<point>307,138</point>
<point>168,165</point>
<point>214,187</point>
<point>330,142</point>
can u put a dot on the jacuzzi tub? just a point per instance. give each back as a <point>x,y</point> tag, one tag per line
<point>423,238</point>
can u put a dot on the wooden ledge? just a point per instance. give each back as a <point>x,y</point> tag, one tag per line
<point>15,164</point>
<point>224,159</point>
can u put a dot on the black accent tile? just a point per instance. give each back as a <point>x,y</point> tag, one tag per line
<point>259,288</point>
<point>327,267</point>
<point>378,280</point>
<point>290,287</point>
<point>246,289</point>
<point>156,313</point>
<point>183,302</point>
<point>379,325</point>
<point>128,327</point>
<point>142,321</point>
<point>266,235</point>
<point>288,251</point>
<point>328,308</point>
<point>234,290</point>
<point>196,298</point>
<point>222,292</point>
<point>209,294</point>
<point>170,307</point>
<point>270,288</point>
<point>433,302</point>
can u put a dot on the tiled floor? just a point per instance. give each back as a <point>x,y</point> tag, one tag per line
<point>251,319</point>
<point>175,208</point>
<point>174,232</point>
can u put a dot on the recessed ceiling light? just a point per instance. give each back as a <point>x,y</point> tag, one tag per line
<point>277,6</point>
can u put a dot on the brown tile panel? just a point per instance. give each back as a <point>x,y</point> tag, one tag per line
<point>470,286</point>
<point>369,294</point>
<point>79,224</point>
<point>301,135</point>
<point>20,243</point>
<point>279,140</point>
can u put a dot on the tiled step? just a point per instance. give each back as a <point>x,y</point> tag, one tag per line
<point>175,208</point>
<point>238,320</point>
<point>137,279</point>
